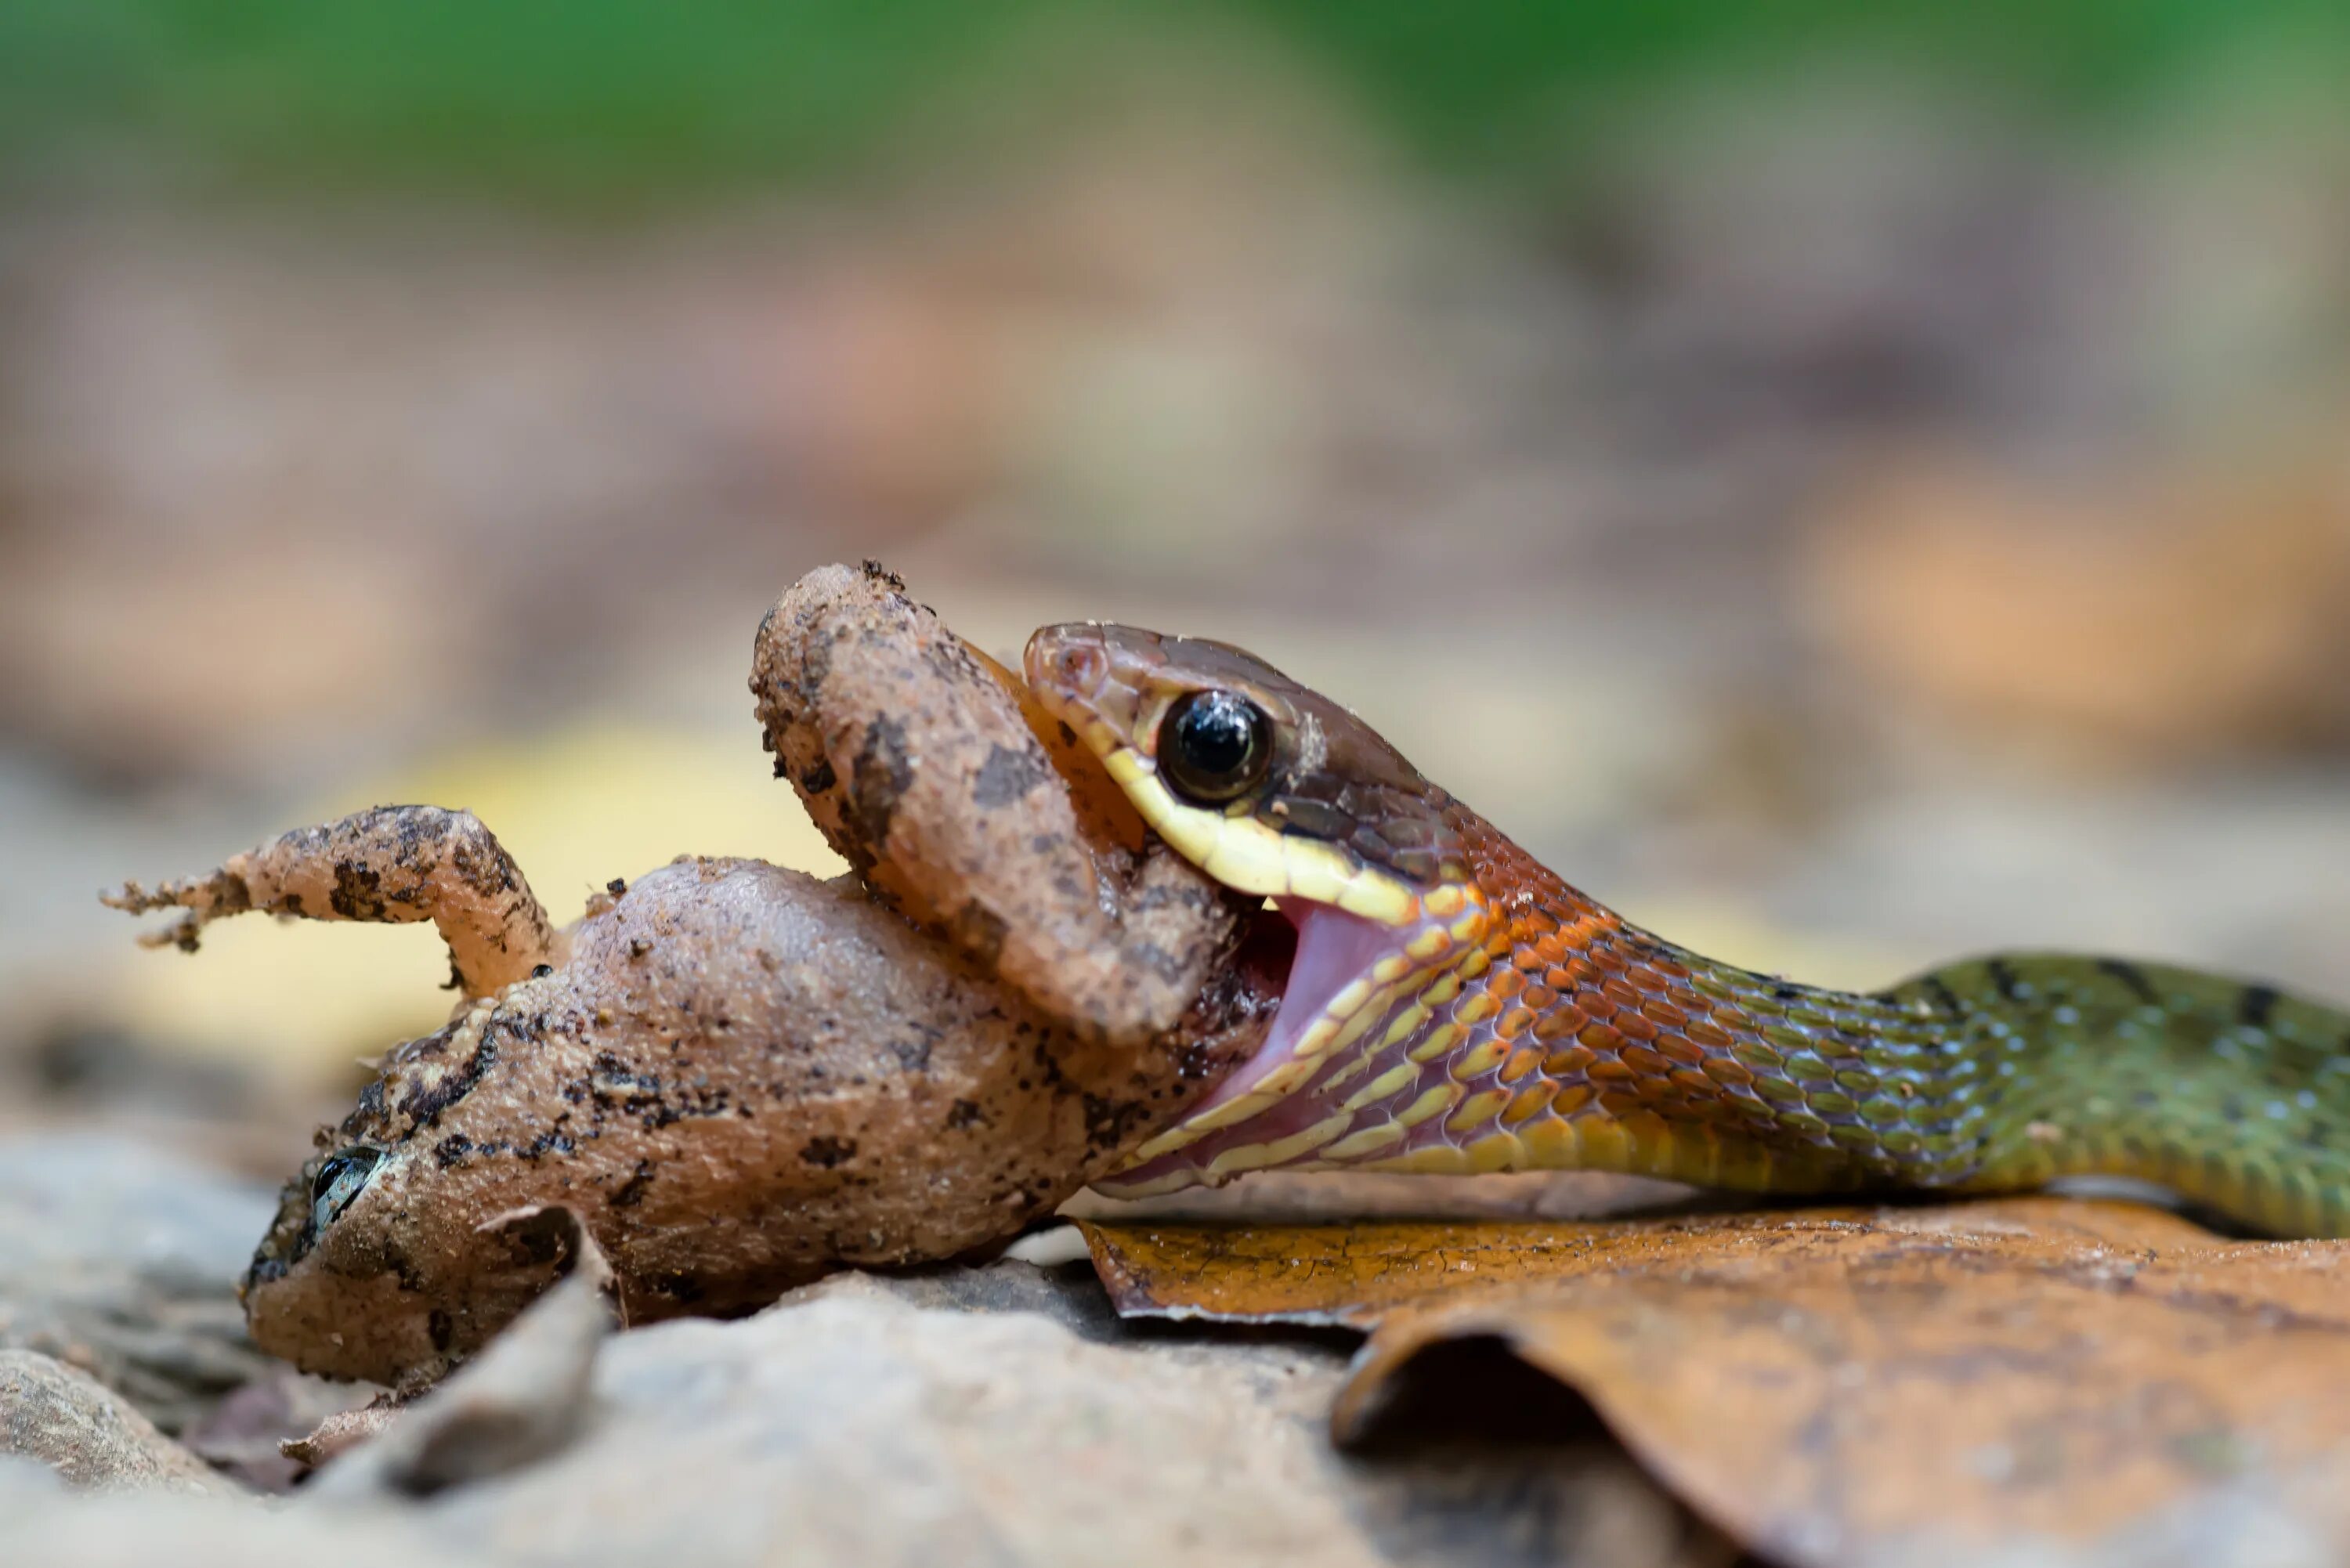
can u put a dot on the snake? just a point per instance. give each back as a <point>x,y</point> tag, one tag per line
<point>1452,1006</point>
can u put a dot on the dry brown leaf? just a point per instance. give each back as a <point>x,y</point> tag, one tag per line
<point>1851,1384</point>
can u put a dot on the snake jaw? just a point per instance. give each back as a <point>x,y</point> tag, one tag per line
<point>1351,992</point>
<point>1365,941</point>
<point>1249,856</point>
<point>1340,835</point>
<point>1115,702</point>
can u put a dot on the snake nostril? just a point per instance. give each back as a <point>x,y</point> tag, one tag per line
<point>1079,666</point>
<point>1069,659</point>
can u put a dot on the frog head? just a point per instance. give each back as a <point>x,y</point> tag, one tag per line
<point>386,1261</point>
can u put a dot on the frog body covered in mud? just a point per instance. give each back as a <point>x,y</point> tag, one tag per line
<point>737,1078</point>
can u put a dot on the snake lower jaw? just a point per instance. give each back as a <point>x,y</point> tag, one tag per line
<point>1346,977</point>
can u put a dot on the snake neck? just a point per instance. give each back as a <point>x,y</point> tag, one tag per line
<point>1567,1038</point>
<point>1660,1060</point>
<point>1996,1073</point>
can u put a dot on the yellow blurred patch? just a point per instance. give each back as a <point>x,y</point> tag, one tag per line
<point>575,809</point>
<point>1737,934</point>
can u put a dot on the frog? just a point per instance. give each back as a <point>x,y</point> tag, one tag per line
<point>734,1077</point>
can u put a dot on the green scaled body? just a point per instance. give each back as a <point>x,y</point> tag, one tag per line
<point>2234,1095</point>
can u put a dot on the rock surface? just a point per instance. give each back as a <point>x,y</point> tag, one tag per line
<point>120,1259</point>
<point>995,1415</point>
<point>86,1435</point>
<point>986,1416</point>
<point>992,1416</point>
<point>1000,1416</point>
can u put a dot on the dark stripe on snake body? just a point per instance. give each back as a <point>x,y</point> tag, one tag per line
<point>1944,997</point>
<point>2130,975</point>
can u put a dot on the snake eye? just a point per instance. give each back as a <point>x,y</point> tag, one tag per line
<point>1214,746</point>
<point>342,1178</point>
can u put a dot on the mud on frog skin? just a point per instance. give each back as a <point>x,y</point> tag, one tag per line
<point>737,1076</point>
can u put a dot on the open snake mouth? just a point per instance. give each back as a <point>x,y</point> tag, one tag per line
<point>1349,1003</point>
<point>1332,956</point>
<point>1277,795</point>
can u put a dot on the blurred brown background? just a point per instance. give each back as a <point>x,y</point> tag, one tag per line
<point>1848,484</point>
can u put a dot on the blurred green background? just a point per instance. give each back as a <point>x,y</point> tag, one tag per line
<point>629,100</point>
<point>1851,483</point>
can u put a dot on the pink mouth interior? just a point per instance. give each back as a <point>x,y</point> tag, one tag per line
<point>1335,948</point>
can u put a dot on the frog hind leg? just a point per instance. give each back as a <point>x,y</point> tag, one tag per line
<point>395,863</point>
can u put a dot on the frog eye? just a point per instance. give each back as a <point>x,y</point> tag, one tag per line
<point>342,1178</point>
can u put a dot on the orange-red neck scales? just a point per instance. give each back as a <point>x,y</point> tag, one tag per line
<point>1568,1039</point>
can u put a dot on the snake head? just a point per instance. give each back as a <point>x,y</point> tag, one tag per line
<point>1276,791</point>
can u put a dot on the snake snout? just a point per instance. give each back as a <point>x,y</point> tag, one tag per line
<point>1094,678</point>
<point>1072,658</point>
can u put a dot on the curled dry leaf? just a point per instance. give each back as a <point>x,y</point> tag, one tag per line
<point>344,1430</point>
<point>1839,1386</point>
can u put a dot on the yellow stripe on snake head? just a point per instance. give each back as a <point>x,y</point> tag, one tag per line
<point>1250,856</point>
